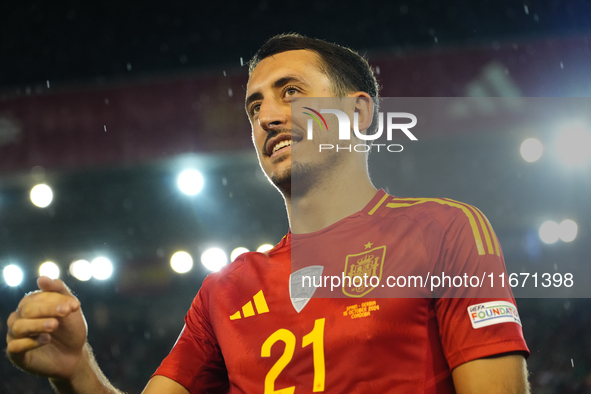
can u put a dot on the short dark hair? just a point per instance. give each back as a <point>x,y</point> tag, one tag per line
<point>348,71</point>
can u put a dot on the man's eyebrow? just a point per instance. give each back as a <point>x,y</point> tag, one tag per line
<point>277,84</point>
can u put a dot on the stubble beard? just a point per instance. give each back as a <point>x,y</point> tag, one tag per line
<point>298,179</point>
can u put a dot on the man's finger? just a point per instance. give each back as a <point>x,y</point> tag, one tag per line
<point>32,327</point>
<point>54,285</point>
<point>17,346</point>
<point>55,306</point>
<point>12,318</point>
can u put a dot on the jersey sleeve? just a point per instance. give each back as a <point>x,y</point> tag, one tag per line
<point>196,360</point>
<point>478,318</point>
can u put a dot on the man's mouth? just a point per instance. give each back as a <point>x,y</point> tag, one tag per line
<point>281,145</point>
<point>281,141</point>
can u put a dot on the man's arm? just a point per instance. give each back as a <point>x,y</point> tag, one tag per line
<point>161,384</point>
<point>502,374</point>
<point>90,379</point>
<point>47,337</point>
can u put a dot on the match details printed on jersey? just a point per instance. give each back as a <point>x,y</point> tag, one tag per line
<point>426,246</point>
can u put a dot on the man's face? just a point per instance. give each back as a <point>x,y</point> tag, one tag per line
<point>275,81</point>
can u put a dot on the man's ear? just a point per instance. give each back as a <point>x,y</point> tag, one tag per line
<point>364,107</point>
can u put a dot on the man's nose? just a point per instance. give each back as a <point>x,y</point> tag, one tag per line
<point>273,115</point>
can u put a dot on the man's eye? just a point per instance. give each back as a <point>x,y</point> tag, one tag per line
<point>255,108</point>
<point>290,91</point>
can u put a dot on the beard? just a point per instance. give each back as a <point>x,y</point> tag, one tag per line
<point>295,180</point>
<point>299,178</point>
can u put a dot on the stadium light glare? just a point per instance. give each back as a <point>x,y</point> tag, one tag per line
<point>181,262</point>
<point>549,232</point>
<point>41,195</point>
<point>81,270</point>
<point>49,269</point>
<point>237,252</point>
<point>214,259</point>
<point>573,145</point>
<point>13,275</point>
<point>568,230</point>
<point>190,182</point>
<point>101,268</point>
<point>264,247</point>
<point>531,150</point>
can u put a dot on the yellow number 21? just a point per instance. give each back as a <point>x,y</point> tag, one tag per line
<point>315,337</point>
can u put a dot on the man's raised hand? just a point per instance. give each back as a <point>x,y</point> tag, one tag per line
<point>47,333</point>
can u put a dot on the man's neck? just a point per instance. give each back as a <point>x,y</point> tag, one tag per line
<point>334,198</point>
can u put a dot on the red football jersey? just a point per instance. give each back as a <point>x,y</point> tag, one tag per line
<point>244,333</point>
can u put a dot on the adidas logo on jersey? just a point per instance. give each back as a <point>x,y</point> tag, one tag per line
<point>247,310</point>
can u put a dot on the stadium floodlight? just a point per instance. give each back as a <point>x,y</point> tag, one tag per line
<point>81,270</point>
<point>190,182</point>
<point>531,150</point>
<point>549,232</point>
<point>181,262</point>
<point>573,145</point>
<point>237,252</point>
<point>13,275</point>
<point>49,269</point>
<point>214,259</point>
<point>41,195</point>
<point>101,268</point>
<point>568,230</point>
<point>264,247</point>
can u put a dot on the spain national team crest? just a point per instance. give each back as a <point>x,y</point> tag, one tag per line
<point>357,266</point>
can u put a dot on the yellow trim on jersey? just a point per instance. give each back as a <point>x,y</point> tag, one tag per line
<point>248,310</point>
<point>455,204</point>
<point>378,204</point>
<point>488,232</point>
<point>260,303</point>
<point>483,226</point>
<point>492,234</point>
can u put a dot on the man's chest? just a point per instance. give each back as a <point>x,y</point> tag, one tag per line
<point>326,346</point>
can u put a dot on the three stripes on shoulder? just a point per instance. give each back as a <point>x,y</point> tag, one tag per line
<point>248,310</point>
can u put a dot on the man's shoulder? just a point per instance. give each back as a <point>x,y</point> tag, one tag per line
<point>245,267</point>
<point>237,268</point>
<point>444,218</point>
<point>442,210</point>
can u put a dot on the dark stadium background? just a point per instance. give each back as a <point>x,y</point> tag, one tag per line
<point>166,80</point>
